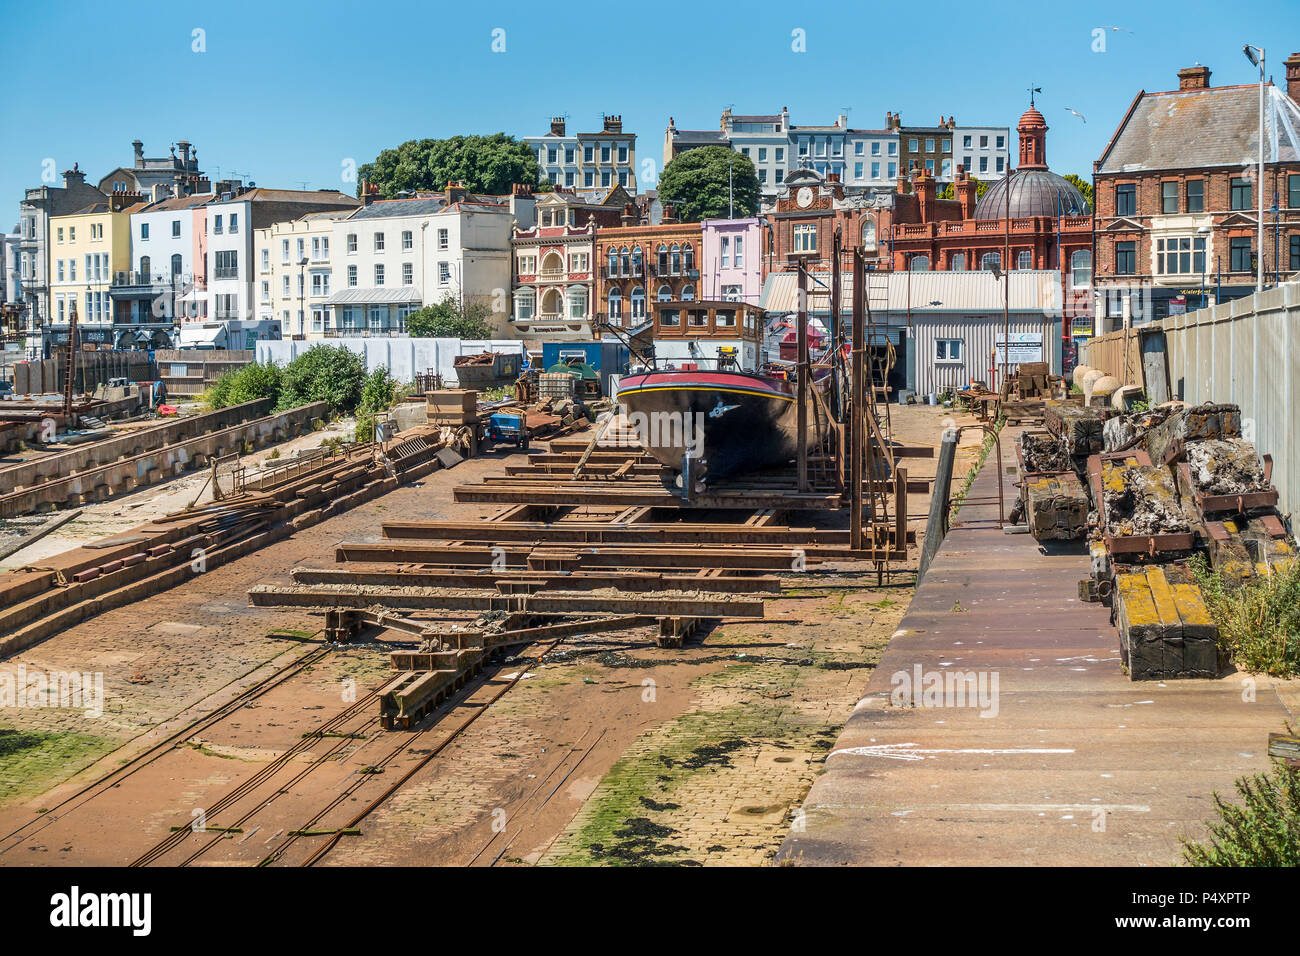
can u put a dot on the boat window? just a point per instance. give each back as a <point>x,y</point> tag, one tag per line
<point>698,318</point>
<point>670,317</point>
<point>726,319</point>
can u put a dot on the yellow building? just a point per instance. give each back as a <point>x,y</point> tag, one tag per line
<point>87,250</point>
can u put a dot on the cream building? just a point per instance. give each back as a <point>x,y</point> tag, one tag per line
<point>89,250</point>
<point>295,275</point>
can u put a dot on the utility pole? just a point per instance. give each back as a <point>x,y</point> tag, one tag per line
<point>1255,54</point>
<point>731,198</point>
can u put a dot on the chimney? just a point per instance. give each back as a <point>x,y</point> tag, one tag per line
<point>1292,64</point>
<point>726,118</point>
<point>614,124</point>
<point>1194,78</point>
<point>184,147</point>
<point>73,175</point>
<point>785,120</point>
<point>157,192</point>
<point>842,121</point>
<point>629,217</point>
<point>521,189</point>
<point>964,187</point>
<point>456,192</point>
<point>557,125</point>
<point>669,215</point>
<point>923,183</point>
<point>139,152</point>
<point>367,197</point>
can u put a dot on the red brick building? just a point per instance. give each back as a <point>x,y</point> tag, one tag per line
<point>637,264</point>
<point>1031,219</point>
<point>809,209</point>
<point>1177,210</point>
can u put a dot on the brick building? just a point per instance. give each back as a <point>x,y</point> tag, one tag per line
<point>1177,210</point>
<point>554,270</point>
<point>809,210</point>
<point>1034,219</point>
<point>930,147</point>
<point>637,263</point>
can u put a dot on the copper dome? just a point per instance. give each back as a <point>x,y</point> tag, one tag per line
<point>1034,192</point>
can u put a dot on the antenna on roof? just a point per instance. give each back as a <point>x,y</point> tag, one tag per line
<point>303,184</point>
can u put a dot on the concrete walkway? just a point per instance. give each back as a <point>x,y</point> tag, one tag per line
<point>1062,760</point>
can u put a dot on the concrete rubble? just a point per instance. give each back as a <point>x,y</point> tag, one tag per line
<point>1221,466</point>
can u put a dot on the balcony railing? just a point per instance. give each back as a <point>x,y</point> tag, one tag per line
<point>151,279</point>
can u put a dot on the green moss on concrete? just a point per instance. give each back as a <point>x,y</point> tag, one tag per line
<point>33,761</point>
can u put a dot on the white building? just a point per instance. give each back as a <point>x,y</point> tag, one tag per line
<point>232,222</point>
<point>163,288</point>
<point>392,257</point>
<point>985,151</point>
<point>588,163</point>
<point>871,159</point>
<point>295,274</point>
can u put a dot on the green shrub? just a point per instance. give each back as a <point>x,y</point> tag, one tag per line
<point>1258,619</point>
<point>1264,830</point>
<point>324,373</point>
<point>245,384</point>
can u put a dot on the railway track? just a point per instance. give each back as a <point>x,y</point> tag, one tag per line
<point>114,777</point>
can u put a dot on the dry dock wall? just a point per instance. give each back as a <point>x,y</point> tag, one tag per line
<point>99,483</point>
<point>1245,352</point>
<point>134,442</point>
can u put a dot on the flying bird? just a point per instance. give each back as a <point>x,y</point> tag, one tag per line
<point>1117,29</point>
<point>1077,113</point>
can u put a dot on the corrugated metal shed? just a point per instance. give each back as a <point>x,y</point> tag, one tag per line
<point>1030,291</point>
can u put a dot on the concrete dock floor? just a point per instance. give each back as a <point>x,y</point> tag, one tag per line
<point>1054,757</point>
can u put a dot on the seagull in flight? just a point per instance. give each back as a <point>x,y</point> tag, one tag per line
<point>1077,113</point>
<point>1117,29</point>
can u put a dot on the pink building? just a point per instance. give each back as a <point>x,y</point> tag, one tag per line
<point>731,267</point>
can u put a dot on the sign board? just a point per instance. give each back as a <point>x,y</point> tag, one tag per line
<point>1178,305</point>
<point>1024,347</point>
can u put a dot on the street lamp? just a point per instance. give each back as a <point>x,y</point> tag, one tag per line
<point>1205,254</point>
<point>1255,54</point>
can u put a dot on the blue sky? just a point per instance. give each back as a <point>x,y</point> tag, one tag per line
<point>287,92</point>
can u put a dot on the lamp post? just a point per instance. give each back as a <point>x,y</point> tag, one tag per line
<point>1205,253</point>
<point>1255,54</point>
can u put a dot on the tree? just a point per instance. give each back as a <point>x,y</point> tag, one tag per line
<point>950,192</point>
<point>448,319</point>
<point>485,164</point>
<point>324,373</point>
<point>695,183</point>
<point>1080,184</point>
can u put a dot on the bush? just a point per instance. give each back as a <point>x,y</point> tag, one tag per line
<point>378,394</point>
<point>449,320</point>
<point>324,373</point>
<point>1258,618</point>
<point>245,384</point>
<point>1263,831</point>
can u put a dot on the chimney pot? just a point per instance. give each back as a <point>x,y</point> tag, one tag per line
<point>1292,64</point>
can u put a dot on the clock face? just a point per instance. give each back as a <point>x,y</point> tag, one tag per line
<point>804,197</point>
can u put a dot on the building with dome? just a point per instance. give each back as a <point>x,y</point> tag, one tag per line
<point>1032,219</point>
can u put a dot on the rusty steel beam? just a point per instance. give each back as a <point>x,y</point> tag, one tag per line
<point>464,599</point>
<point>570,581</point>
<point>680,558</point>
<point>596,532</point>
<point>577,493</point>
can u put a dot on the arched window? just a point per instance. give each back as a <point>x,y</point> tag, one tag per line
<point>991,261</point>
<point>958,262</point>
<point>1025,259</point>
<point>552,304</point>
<point>144,269</point>
<point>615,306</point>
<point>663,259</point>
<point>176,265</point>
<point>676,260</point>
<point>688,257</point>
<point>919,263</point>
<point>626,261</point>
<point>688,293</point>
<point>664,294</point>
<point>613,261</point>
<point>1080,268</point>
<point>636,260</point>
<point>638,303</point>
<point>869,234</point>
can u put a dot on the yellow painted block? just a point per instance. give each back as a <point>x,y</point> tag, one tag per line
<point>1162,595</point>
<point>1191,606</point>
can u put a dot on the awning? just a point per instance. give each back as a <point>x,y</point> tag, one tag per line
<point>377,295</point>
